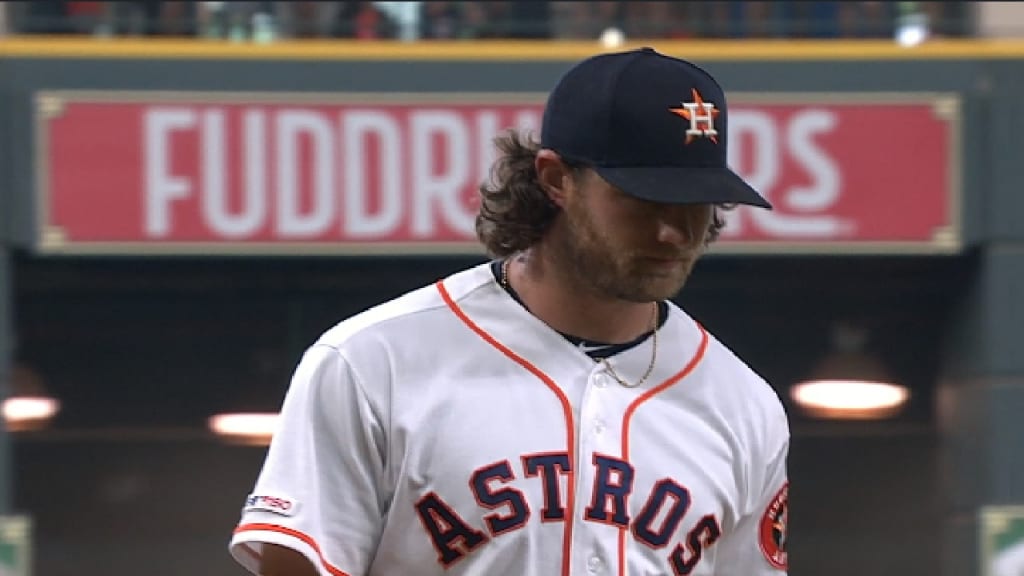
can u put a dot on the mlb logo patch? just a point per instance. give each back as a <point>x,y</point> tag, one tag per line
<point>268,503</point>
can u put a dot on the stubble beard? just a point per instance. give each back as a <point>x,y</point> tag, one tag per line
<point>598,267</point>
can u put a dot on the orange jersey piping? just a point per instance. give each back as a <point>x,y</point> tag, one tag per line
<point>631,409</point>
<point>566,409</point>
<point>294,534</point>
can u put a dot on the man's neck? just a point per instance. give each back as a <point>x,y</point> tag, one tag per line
<point>573,309</point>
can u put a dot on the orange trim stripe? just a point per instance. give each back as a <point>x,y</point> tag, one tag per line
<point>631,409</point>
<point>566,409</point>
<point>294,534</point>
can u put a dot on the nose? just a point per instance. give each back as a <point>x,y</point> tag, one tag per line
<point>672,233</point>
<point>680,232</point>
<point>684,225</point>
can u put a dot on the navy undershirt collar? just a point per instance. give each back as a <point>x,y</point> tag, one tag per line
<point>594,349</point>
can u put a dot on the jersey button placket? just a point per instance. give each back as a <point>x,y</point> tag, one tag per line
<point>597,436</point>
<point>594,421</point>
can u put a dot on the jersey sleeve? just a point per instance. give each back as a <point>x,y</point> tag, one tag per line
<point>757,544</point>
<point>319,490</point>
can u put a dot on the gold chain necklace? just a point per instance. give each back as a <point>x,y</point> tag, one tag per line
<point>650,366</point>
<point>654,338</point>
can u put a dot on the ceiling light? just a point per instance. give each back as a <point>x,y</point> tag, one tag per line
<point>22,413</point>
<point>850,398</point>
<point>249,428</point>
<point>29,406</point>
<point>849,383</point>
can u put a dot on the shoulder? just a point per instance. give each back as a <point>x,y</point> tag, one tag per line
<point>365,351</point>
<point>742,395</point>
<point>408,333</point>
<point>753,411</point>
<point>741,379</point>
<point>402,316</point>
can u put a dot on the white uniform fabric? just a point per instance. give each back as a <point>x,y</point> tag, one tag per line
<point>1009,561</point>
<point>451,432</point>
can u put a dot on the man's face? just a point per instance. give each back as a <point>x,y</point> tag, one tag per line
<point>625,248</point>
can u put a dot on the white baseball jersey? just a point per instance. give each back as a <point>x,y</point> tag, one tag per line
<point>450,432</point>
<point>1009,561</point>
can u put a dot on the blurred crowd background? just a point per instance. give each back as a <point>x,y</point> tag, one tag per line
<point>478,20</point>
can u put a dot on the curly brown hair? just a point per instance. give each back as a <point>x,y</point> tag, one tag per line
<point>515,210</point>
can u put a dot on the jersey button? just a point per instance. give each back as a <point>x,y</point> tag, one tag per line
<point>594,564</point>
<point>600,380</point>
<point>599,427</point>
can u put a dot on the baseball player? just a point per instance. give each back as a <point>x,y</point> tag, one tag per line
<point>551,411</point>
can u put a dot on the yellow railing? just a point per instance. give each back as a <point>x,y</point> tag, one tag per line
<point>699,50</point>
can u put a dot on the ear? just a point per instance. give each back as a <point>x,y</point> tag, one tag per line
<point>554,176</point>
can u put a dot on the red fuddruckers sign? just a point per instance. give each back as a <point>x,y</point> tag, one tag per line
<point>231,173</point>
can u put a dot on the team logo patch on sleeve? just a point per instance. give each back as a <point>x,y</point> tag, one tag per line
<point>773,530</point>
<point>267,503</point>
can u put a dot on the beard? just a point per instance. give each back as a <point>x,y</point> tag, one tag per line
<point>598,266</point>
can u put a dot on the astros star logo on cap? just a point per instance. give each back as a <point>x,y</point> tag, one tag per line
<point>701,115</point>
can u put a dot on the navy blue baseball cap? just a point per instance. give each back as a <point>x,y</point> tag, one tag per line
<point>650,124</point>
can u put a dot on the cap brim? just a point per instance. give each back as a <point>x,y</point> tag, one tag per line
<point>683,185</point>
